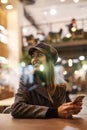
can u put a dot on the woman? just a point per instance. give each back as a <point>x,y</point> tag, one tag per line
<point>43,98</point>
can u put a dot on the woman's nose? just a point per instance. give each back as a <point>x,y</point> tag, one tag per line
<point>35,57</point>
<point>33,61</point>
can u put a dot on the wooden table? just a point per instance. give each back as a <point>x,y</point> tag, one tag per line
<point>9,123</point>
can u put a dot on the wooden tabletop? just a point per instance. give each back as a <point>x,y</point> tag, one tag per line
<point>9,123</point>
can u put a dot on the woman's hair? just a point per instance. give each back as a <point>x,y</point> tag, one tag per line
<point>47,77</point>
<point>50,76</point>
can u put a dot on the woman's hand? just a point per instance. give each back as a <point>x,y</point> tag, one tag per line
<point>77,107</point>
<point>68,109</point>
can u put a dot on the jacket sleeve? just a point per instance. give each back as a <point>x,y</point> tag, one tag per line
<point>21,109</point>
<point>61,98</point>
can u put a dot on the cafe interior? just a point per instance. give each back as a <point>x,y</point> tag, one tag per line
<point>60,23</point>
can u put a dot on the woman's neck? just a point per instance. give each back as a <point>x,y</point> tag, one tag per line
<point>40,77</point>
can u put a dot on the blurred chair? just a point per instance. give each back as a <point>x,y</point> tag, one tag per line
<point>54,37</point>
<point>78,34</point>
<point>7,110</point>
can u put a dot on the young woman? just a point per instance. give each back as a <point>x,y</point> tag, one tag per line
<point>43,98</point>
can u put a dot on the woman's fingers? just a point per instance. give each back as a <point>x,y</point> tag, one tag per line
<point>68,109</point>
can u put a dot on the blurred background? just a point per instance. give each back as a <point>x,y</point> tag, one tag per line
<point>60,23</point>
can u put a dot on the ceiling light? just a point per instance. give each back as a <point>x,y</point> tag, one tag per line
<point>52,11</point>
<point>70,63</point>
<point>9,6</point>
<point>76,1</point>
<point>62,0</point>
<point>4,1</point>
<point>4,4</point>
<point>81,57</point>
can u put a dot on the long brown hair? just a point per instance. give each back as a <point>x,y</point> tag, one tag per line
<point>50,76</point>
<point>47,77</point>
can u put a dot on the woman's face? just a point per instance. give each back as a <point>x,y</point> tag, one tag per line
<point>38,60</point>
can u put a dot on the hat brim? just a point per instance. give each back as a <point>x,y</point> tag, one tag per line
<point>47,50</point>
<point>32,49</point>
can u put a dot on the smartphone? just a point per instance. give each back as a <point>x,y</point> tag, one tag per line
<point>78,99</point>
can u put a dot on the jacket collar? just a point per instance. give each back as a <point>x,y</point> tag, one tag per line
<point>40,89</point>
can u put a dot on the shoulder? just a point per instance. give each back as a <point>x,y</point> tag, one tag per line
<point>61,86</point>
<point>60,92</point>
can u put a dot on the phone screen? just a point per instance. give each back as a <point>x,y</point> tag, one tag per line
<point>78,99</point>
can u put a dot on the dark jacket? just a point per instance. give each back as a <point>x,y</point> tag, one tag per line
<point>32,101</point>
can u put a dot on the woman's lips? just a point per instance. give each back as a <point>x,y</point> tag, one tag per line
<point>36,64</point>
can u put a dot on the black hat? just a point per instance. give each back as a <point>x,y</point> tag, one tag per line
<point>46,49</point>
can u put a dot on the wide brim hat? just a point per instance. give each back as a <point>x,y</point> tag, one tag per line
<point>46,49</point>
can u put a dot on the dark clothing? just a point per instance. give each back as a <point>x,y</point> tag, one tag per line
<point>32,101</point>
<point>67,96</point>
<point>70,27</point>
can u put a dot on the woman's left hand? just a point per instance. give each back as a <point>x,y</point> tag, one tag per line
<point>76,107</point>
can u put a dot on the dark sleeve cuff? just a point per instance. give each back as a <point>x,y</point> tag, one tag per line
<point>52,113</point>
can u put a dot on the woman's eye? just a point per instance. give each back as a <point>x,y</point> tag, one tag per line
<point>40,54</point>
<point>32,56</point>
<point>36,55</point>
